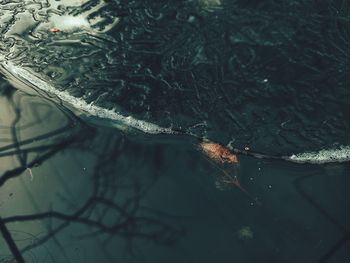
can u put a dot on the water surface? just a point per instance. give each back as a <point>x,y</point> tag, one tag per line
<point>91,166</point>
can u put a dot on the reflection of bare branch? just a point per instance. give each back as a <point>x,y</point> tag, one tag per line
<point>343,240</point>
<point>11,244</point>
<point>298,186</point>
<point>39,160</point>
<point>131,220</point>
<point>128,227</point>
<point>339,244</point>
<point>127,224</point>
<point>20,156</point>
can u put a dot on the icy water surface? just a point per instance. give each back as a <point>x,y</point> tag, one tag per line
<point>102,106</point>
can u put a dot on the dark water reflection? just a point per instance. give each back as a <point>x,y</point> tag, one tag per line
<point>72,192</point>
<point>273,75</point>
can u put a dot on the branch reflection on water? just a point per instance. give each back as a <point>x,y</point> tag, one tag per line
<point>109,205</point>
<point>75,193</point>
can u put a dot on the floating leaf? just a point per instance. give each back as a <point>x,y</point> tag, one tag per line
<point>54,30</point>
<point>218,153</point>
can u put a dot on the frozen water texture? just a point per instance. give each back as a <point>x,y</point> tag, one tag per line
<point>323,156</point>
<point>69,23</point>
<point>150,65</point>
<point>78,103</point>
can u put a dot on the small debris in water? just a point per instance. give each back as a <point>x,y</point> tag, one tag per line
<point>30,173</point>
<point>218,153</point>
<point>54,30</point>
<point>245,233</point>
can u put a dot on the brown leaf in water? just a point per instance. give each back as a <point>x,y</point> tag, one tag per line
<point>54,30</point>
<point>218,153</point>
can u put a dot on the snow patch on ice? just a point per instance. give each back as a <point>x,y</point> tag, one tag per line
<point>82,105</point>
<point>68,23</point>
<point>342,154</point>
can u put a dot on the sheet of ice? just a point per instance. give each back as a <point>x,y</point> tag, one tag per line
<point>342,154</point>
<point>80,104</point>
<point>79,22</point>
<point>210,3</point>
<point>68,23</point>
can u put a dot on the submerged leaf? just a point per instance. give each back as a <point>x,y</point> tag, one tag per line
<point>218,153</point>
<point>54,30</point>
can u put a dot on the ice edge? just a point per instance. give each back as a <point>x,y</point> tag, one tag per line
<point>342,154</point>
<point>82,105</point>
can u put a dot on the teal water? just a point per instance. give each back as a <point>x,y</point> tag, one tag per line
<point>100,123</point>
<point>167,204</point>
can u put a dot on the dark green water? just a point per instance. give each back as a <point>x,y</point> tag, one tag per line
<point>166,204</point>
<point>76,187</point>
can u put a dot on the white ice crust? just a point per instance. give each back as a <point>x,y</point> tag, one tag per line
<point>82,105</point>
<point>341,154</point>
<point>69,23</point>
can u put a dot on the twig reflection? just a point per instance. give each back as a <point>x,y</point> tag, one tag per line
<point>104,213</point>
